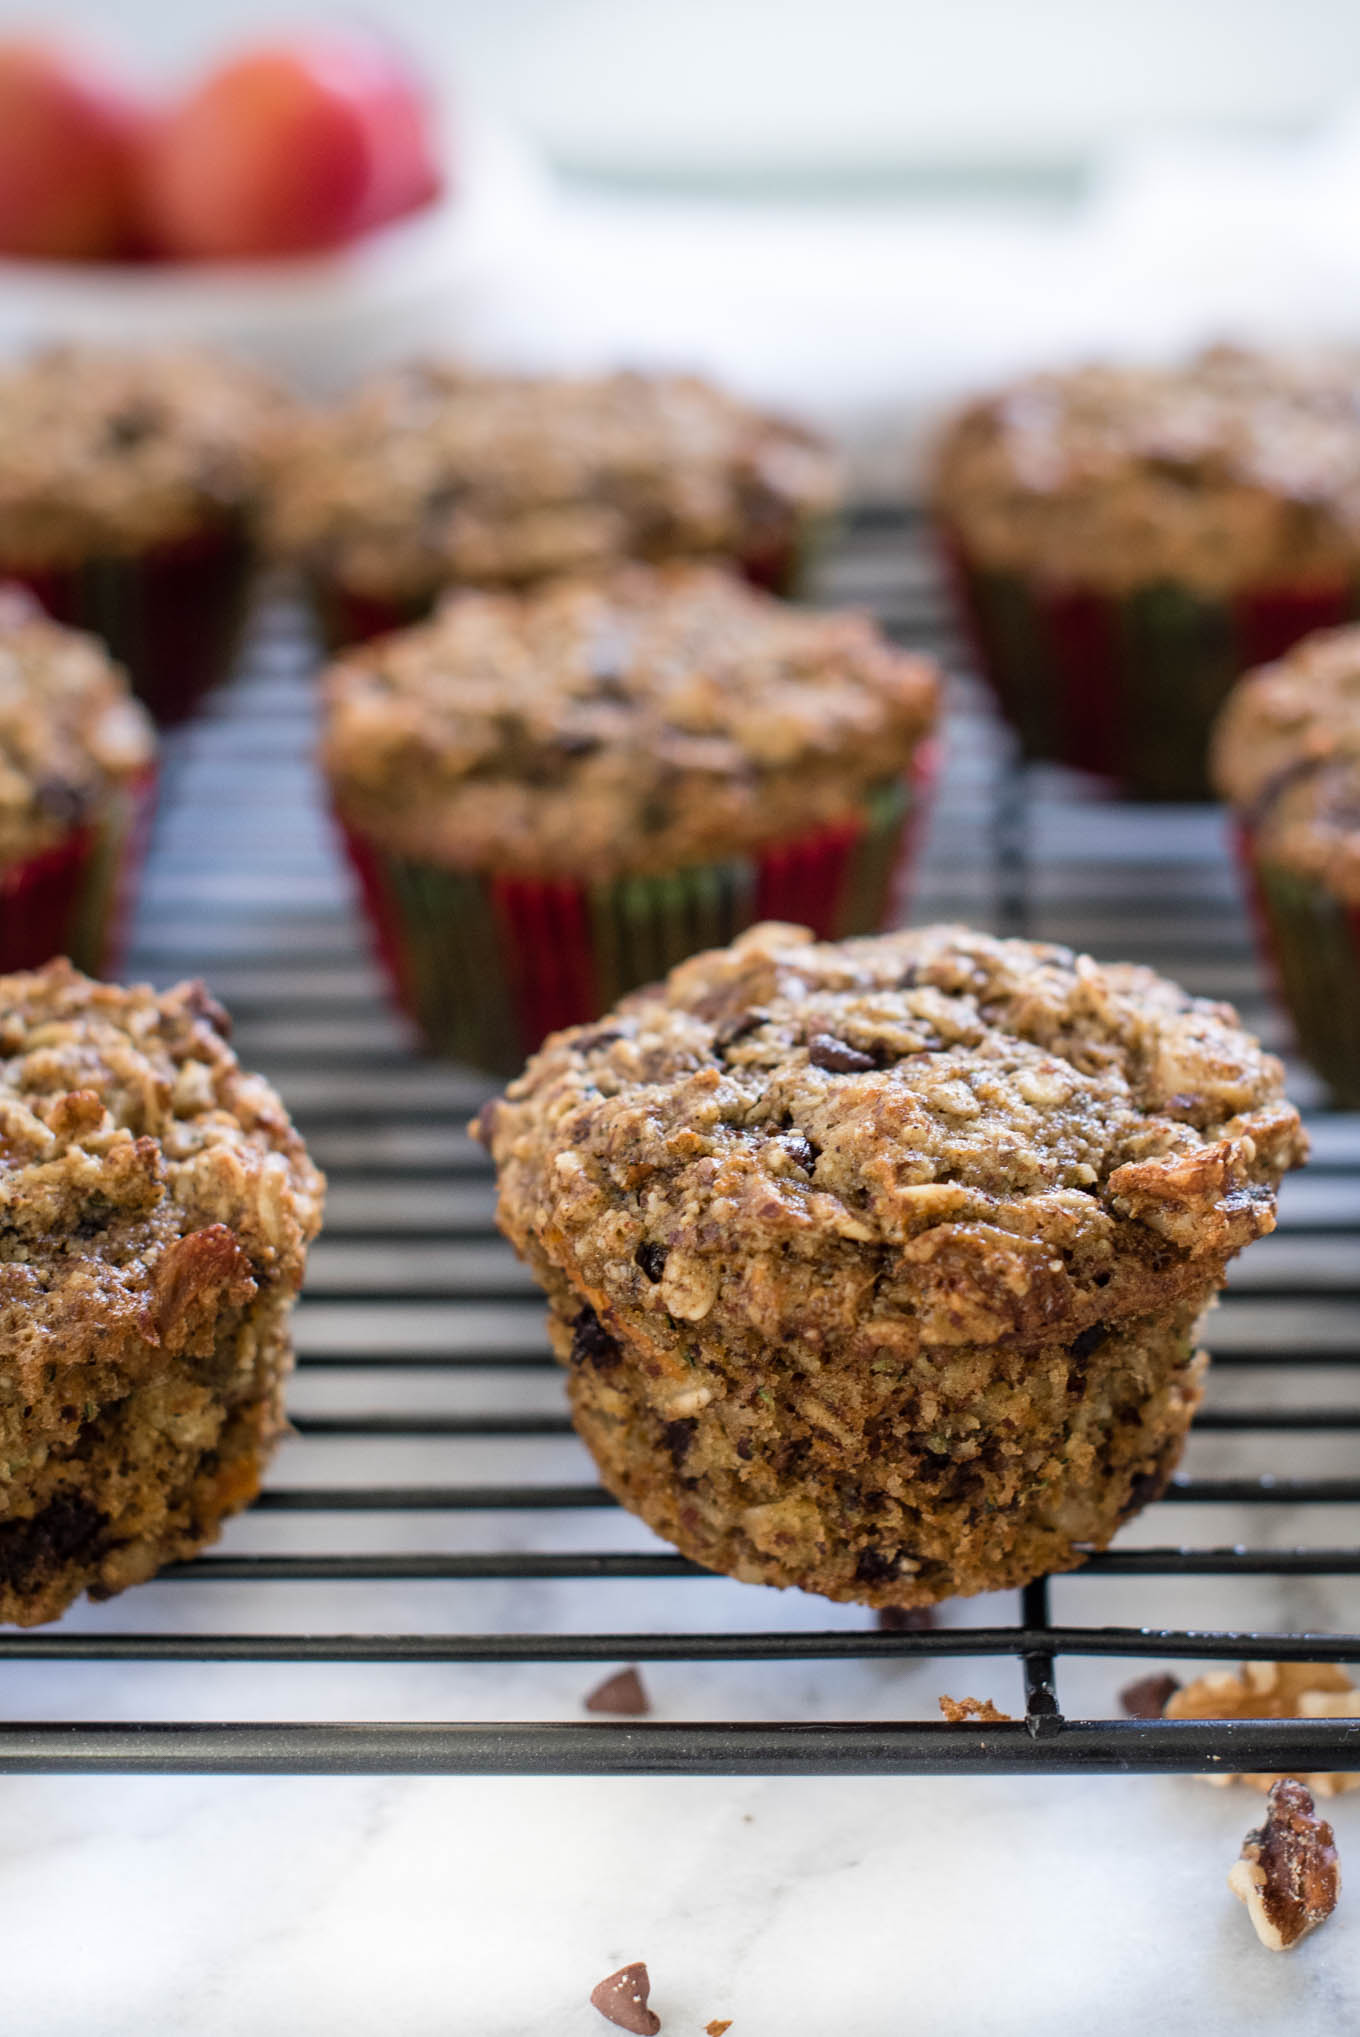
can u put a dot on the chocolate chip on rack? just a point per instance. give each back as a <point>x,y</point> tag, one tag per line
<point>1288,1876</point>
<point>1149,1696</point>
<point>622,1999</point>
<point>623,1693</point>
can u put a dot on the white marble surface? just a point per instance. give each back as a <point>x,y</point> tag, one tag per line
<point>138,1908</point>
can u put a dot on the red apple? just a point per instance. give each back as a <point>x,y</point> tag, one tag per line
<point>290,147</point>
<point>68,135</point>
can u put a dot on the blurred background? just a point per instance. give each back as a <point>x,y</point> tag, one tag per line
<point>848,206</point>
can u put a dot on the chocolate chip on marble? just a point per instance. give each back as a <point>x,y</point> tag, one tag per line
<point>623,1693</point>
<point>838,1057</point>
<point>906,1619</point>
<point>622,1999</point>
<point>591,1344</point>
<point>650,1258</point>
<point>1149,1696</point>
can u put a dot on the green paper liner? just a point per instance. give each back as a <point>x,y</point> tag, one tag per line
<point>1128,687</point>
<point>487,966</point>
<point>73,899</point>
<point>171,614</point>
<point>781,562</point>
<point>1311,940</point>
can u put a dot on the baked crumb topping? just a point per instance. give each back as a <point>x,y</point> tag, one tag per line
<point>1286,753</point>
<point>1235,469</point>
<point>931,1137</point>
<point>107,452</point>
<point>70,730</point>
<point>641,722</point>
<point>430,473</point>
<point>146,1180</point>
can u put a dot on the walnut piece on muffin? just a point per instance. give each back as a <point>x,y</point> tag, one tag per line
<point>1286,755</point>
<point>109,452</point>
<point>652,719</point>
<point>70,731</point>
<point>431,474</point>
<point>877,1265</point>
<point>157,1209</point>
<point>1234,469</point>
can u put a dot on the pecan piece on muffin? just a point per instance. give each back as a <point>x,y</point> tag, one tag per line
<point>430,475</point>
<point>551,796</point>
<point>129,484</point>
<point>909,1319</point>
<point>157,1207</point>
<point>1286,754</point>
<point>1126,540</point>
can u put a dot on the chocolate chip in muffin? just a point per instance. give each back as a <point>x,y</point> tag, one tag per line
<point>838,1057</point>
<point>800,1149</point>
<point>591,1343</point>
<point>651,1259</point>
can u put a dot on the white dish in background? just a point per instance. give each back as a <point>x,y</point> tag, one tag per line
<point>317,321</point>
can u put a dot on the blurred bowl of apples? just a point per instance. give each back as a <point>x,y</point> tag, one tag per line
<point>304,202</point>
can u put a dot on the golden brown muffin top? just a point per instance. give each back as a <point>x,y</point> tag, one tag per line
<point>932,1136</point>
<point>1286,753</point>
<point>657,718</point>
<point>104,453</point>
<point>70,730</point>
<point>430,474</point>
<point>1234,470</point>
<point>147,1182</point>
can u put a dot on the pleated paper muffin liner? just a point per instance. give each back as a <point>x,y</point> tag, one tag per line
<point>486,966</point>
<point>172,613</point>
<point>1127,687</point>
<point>74,898</point>
<point>1311,940</point>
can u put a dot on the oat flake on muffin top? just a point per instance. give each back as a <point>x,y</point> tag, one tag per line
<point>656,718</point>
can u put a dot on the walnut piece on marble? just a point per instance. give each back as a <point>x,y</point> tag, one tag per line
<point>1288,1875</point>
<point>970,1711</point>
<point>1273,1690</point>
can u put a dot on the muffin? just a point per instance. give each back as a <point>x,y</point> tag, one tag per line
<point>1286,754</point>
<point>876,1266</point>
<point>1126,541</point>
<point>552,795</point>
<point>127,486</point>
<point>76,768</point>
<point>158,1208</point>
<point>430,475</point>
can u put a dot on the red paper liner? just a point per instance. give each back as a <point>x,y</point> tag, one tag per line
<point>1126,687</point>
<point>487,966</point>
<point>74,899</point>
<point>171,614</point>
<point>1310,940</point>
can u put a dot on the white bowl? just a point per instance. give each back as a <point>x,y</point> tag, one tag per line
<point>317,321</point>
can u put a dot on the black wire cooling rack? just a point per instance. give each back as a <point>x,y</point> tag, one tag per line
<point>432,1567</point>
